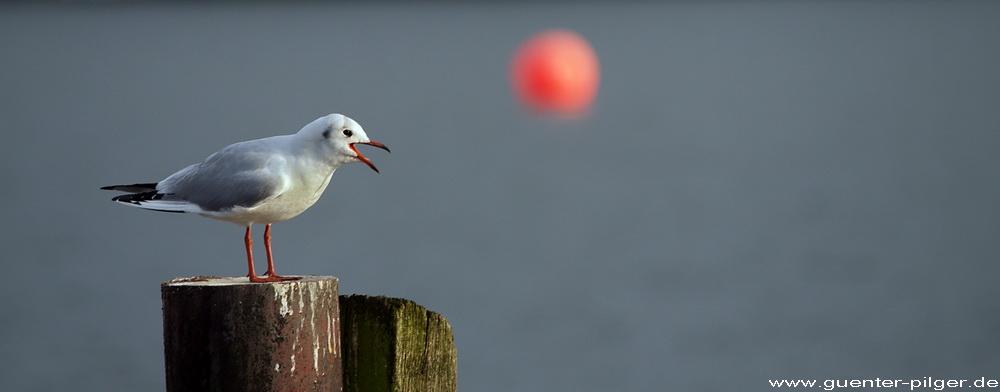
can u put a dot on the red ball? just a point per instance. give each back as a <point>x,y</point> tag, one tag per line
<point>556,72</point>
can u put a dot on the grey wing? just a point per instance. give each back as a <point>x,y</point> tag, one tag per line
<point>227,179</point>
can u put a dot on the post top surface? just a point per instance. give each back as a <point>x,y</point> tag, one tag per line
<point>240,281</point>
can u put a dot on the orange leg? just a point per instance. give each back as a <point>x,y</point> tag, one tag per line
<point>270,275</point>
<point>252,275</point>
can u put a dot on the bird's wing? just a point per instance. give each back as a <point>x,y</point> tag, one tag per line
<point>241,175</point>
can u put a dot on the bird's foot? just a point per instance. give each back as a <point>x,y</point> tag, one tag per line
<point>270,278</point>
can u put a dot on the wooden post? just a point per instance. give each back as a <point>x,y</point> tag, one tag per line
<point>227,334</point>
<point>393,344</point>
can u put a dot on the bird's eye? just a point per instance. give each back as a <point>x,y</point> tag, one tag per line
<point>348,133</point>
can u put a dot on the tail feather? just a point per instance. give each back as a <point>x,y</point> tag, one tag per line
<point>153,201</point>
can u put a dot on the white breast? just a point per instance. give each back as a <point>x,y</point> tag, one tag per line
<point>297,198</point>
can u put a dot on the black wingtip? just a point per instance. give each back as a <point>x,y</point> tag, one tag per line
<point>132,188</point>
<point>137,198</point>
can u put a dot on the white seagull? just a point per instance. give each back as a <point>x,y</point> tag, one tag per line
<point>262,181</point>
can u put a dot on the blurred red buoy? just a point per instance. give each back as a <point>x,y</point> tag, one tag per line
<point>556,72</point>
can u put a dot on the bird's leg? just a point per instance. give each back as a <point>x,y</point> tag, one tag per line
<point>270,275</point>
<point>252,275</point>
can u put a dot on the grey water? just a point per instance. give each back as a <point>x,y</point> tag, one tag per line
<point>763,190</point>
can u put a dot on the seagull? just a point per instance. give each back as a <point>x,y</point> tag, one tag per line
<point>261,181</point>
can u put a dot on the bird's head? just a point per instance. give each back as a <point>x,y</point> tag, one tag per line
<point>343,134</point>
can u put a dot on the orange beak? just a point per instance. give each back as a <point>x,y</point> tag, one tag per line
<point>365,159</point>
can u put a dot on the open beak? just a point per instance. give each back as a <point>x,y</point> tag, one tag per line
<point>363,158</point>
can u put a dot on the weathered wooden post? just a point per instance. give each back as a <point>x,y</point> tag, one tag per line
<point>393,344</point>
<point>227,334</point>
